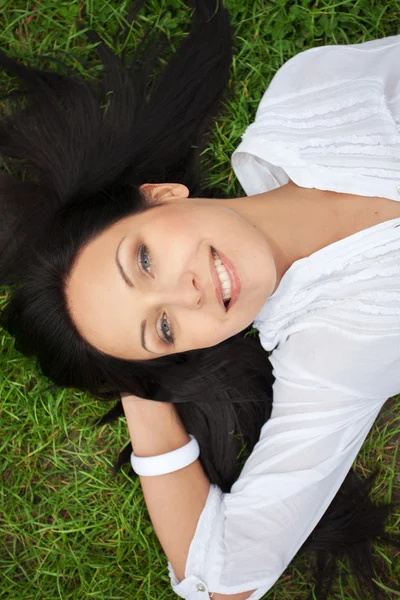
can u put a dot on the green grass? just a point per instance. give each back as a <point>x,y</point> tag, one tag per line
<point>68,528</point>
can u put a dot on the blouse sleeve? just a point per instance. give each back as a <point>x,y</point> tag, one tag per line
<point>322,413</point>
<point>330,119</point>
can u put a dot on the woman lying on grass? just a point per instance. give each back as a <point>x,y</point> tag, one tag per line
<point>141,287</point>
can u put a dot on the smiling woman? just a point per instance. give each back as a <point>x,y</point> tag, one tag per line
<point>127,287</point>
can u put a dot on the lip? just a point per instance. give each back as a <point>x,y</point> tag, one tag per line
<point>216,282</point>
<point>233,276</point>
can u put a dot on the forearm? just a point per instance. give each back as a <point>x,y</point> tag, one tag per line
<point>176,500</point>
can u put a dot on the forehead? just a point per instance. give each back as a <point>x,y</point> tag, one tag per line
<point>99,301</point>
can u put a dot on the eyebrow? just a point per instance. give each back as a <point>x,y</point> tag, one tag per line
<point>120,267</point>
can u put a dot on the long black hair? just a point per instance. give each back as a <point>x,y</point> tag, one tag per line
<point>74,153</point>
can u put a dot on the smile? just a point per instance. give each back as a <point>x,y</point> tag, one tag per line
<point>225,278</point>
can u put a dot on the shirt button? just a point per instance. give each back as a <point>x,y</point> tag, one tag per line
<point>200,587</point>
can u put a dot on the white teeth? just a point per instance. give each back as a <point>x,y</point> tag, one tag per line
<point>223,276</point>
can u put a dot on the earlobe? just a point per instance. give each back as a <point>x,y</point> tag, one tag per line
<point>162,192</point>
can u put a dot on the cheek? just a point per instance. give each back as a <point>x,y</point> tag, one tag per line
<point>175,239</point>
<point>204,331</point>
<point>175,221</point>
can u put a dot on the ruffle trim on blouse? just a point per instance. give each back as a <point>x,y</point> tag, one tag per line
<point>307,120</point>
<point>322,96</point>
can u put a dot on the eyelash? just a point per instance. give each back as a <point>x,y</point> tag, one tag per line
<point>167,337</point>
<point>141,251</point>
<point>144,251</point>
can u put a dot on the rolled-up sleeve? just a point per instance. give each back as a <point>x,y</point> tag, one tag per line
<point>245,539</point>
<point>335,128</point>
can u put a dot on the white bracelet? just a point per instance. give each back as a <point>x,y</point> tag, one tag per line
<point>168,462</point>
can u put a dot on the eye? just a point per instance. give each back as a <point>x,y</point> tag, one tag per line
<point>144,258</point>
<point>166,330</point>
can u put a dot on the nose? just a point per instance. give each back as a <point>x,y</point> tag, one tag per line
<point>186,292</point>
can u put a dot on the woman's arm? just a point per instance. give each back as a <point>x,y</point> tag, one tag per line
<point>176,500</point>
<point>325,402</point>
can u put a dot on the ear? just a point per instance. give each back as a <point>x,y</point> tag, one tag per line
<point>162,192</point>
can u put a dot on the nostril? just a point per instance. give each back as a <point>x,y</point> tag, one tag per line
<point>197,288</point>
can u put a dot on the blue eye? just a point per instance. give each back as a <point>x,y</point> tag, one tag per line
<point>144,258</point>
<point>166,330</point>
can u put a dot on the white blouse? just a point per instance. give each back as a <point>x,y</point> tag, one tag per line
<point>331,120</point>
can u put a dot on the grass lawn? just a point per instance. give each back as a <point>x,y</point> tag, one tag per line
<point>68,528</point>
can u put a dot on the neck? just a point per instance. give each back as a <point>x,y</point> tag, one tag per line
<point>295,221</point>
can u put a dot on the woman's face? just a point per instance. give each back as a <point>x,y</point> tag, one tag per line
<point>152,284</point>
